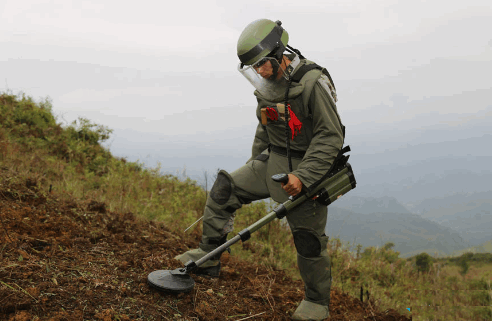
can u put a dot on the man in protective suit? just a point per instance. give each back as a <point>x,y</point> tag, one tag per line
<point>296,102</point>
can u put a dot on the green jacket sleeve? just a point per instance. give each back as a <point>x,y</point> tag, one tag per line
<point>260,143</point>
<point>327,138</point>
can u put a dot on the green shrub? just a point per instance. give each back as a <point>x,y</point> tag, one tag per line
<point>368,253</point>
<point>423,261</point>
<point>25,117</point>
<point>389,246</point>
<point>478,284</point>
<point>387,254</point>
<point>480,298</point>
<point>359,248</point>
<point>463,262</point>
<point>385,277</point>
<point>88,132</point>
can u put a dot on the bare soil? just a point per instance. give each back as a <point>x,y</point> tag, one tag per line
<point>68,260</point>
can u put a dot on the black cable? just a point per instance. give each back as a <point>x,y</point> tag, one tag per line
<point>287,129</point>
<point>297,52</point>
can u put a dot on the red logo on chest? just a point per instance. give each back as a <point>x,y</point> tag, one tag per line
<point>294,123</point>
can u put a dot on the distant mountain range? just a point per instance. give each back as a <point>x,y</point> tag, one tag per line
<point>370,205</point>
<point>411,233</point>
<point>482,248</point>
<point>442,227</point>
<point>469,214</point>
<point>408,175</point>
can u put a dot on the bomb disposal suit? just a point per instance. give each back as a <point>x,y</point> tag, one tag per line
<point>304,124</point>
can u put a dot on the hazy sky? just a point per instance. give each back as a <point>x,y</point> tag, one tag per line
<point>169,68</point>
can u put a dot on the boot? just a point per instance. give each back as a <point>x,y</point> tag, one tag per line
<point>211,268</point>
<point>311,311</point>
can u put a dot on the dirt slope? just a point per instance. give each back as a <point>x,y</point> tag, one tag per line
<point>62,260</point>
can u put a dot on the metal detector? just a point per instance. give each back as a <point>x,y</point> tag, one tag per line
<point>338,181</point>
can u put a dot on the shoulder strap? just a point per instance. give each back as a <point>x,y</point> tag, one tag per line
<point>305,68</point>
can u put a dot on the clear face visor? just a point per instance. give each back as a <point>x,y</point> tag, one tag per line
<point>267,76</point>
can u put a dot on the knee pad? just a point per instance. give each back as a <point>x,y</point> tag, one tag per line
<point>222,189</point>
<point>308,243</point>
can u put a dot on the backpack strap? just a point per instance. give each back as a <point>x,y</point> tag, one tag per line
<point>340,160</point>
<point>305,68</point>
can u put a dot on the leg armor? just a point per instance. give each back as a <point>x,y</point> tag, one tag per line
<point>218,218</point>
<point>308,222</point>
<point>314,265</point>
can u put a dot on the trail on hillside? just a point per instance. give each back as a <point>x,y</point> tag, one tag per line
<point>67,260</point>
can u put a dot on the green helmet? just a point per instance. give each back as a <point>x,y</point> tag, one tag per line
<point>261,38</point>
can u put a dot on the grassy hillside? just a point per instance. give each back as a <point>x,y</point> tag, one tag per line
<point>68,163</point>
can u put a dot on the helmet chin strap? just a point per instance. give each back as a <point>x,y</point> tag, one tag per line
<point>278,54</point>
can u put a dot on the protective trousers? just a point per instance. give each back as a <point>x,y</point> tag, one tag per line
<point>307,221</point>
